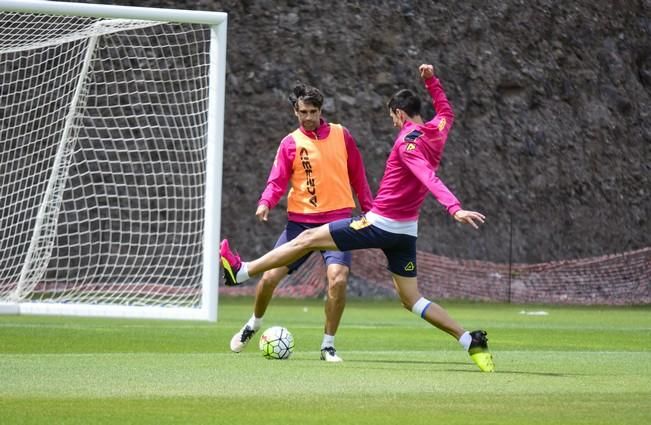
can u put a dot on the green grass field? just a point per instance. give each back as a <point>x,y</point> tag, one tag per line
<point>573,366</point>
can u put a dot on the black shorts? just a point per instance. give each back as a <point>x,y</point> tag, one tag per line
<point>358,233</point>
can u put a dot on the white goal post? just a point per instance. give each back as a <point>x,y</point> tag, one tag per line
<point>111,142</point>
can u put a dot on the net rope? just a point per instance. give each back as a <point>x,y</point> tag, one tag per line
<point>617,279</point>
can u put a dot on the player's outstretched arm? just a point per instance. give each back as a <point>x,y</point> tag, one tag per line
<point>473,218</point>
<point>440,101</point>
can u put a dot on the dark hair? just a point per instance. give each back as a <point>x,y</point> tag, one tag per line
<point>405,100</point>
<point>307,94</point>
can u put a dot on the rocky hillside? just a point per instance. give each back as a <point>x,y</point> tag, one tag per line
<point>553,133</point>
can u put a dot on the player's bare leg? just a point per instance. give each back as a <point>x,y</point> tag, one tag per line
<point>334,309</point>
<point>407,288</point>
<point>474,342</point>
<point>336,301</point>
<point>310,240</point>
<point>236,271</point>
<point>263,294</point>
<point>265,289</point>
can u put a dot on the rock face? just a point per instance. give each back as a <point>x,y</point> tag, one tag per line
<point>552,139</point>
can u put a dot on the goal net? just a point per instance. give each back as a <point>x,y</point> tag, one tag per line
<point>111,122</point>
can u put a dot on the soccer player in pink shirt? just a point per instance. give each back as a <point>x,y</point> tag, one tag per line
<point>392,222</point>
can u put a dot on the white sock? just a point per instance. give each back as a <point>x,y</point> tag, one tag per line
<point>243,273</point>
<point>254,322</point>
<point>465,340</point>
<point>328,341</point>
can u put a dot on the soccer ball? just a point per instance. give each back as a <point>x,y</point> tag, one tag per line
<point>277,343</point>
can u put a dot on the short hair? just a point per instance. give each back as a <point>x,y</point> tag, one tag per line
<point>307,94</point>
<point>405,100</point>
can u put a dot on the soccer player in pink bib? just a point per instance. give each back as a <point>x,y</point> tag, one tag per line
<point>392,223</point>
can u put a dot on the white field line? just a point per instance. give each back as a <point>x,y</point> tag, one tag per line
<point>300,352</point>
<point>488,326</point>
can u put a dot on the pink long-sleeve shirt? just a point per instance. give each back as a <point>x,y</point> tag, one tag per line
<point>410,172</point>
<point>282,169</point>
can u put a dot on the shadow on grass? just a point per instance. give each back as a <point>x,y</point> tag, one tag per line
<point>470,368</point>
<point>412,362</point>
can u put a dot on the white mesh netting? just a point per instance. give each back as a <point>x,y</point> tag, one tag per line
<point>102,167</point>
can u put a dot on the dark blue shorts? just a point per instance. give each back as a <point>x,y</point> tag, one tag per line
<point>293,229</point>
<point>357,233</point>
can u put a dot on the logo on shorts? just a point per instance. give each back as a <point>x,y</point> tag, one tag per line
<point>410,267</point>
<point>359,224</point>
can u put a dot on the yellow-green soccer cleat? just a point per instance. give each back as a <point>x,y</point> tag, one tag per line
<point>479,351</point>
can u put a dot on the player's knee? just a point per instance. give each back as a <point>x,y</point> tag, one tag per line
<point>403,300</point>
<point>337,289</point>
<point>408,302</point>
<point>338,279</point>
<point>405,304</point>
<point>409,295</point>
<point>269,280</point>
<point>305,240</point>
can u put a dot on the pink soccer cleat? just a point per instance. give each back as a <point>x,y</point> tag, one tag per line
<point>231,263</point>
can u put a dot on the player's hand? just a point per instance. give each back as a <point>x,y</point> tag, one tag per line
<point>426,71</point>
<point>469,217</point>
<point>262,212</point>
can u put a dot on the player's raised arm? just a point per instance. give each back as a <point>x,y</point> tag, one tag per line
<point>444,112</point>
<point>426,71</point>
